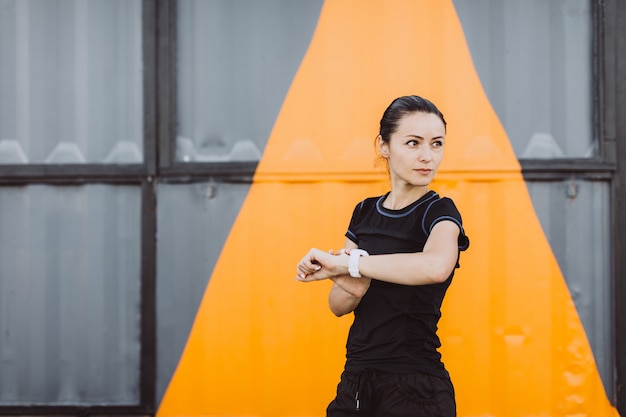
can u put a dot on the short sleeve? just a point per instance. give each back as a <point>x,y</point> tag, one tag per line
<point>351,234</point>
<point>440,210</point>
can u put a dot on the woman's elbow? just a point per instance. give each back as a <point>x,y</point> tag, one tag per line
<point>339,309</point>
<point>440,273</point>
<point>439,278</point>
<point>338,312</point>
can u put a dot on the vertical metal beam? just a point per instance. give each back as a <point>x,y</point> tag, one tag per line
<point>148,297</point>
<point>166,85</point>
<point>614,130</point>
<point>150,84</point>
<point>148,208</point>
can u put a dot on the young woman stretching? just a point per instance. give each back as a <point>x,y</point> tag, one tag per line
<point>399,258</point>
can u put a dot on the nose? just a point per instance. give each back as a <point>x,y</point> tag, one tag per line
<point>425,154</point>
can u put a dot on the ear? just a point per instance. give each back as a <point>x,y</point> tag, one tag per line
<point>382,147</point>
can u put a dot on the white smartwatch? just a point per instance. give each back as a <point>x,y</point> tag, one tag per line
<point>353,263</point>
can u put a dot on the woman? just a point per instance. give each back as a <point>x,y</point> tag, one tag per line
<point>399,258</point>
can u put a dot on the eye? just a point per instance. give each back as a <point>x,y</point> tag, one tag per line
<point>412,143</point>
<point>438,144</point>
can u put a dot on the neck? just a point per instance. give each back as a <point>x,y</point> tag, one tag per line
<point>398,199</point>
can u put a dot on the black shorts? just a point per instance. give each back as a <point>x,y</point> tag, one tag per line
<point>372,393</point>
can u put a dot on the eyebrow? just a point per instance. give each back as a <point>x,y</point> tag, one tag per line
<point>420,137</point>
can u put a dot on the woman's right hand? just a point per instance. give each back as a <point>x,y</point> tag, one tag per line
<point>318,265</point>
<point>346,291</point>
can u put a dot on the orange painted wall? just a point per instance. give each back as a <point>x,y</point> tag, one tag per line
<point>264,345</point>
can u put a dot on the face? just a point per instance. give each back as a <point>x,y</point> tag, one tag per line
<point>415,150</point>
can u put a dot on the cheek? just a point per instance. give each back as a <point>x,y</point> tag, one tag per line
<point>436,155</point>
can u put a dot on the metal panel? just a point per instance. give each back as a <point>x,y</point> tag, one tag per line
<point>71,81</point>
<point>542,93</point>
<point>236,60</point>
<point>534,59</point>
<point>235,63</point>
<point>193,223</point>
<point>575,216</point>
<point>69,294</point>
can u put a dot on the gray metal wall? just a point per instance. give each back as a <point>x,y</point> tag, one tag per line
<point>70,255</point>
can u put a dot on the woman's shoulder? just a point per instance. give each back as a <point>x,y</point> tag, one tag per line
<point>371,201</point>
<point>442,205</point>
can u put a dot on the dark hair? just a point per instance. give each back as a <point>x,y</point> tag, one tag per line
<point>399,108</point>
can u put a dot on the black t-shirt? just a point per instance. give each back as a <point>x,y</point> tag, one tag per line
<point>395,326</point>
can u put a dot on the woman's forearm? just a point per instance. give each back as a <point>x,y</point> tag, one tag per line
<point>346,294</point>
<point>433,265</point>
<point>407,269</point>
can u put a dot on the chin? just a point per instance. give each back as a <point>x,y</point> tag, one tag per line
<point>421,183</point>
